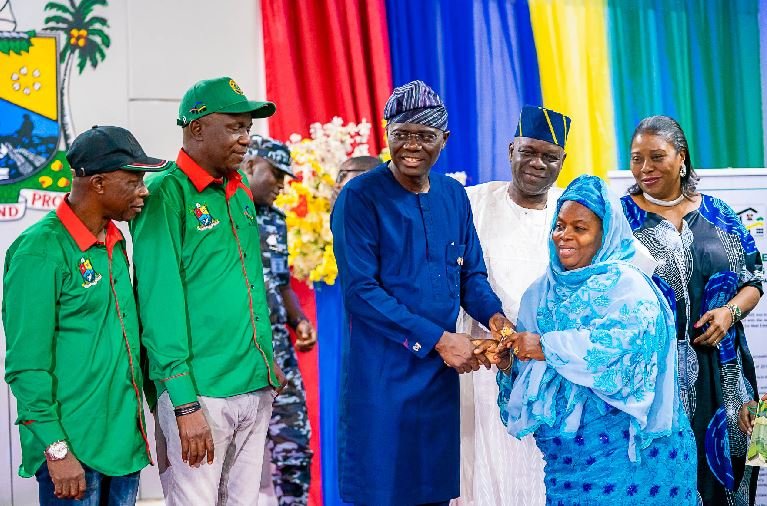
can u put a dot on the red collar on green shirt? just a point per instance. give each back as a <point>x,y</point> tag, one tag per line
<point>80,233</point>
<point>201,179</point>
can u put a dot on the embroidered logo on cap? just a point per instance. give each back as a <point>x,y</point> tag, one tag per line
<point>234,86</point>
<point>198,108</point>
<point>205,221</point>
<point>89,274</point>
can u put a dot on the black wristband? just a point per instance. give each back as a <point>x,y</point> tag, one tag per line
<point>187,410</point>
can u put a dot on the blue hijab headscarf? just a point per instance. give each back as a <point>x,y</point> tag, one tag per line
<point>607,333</point>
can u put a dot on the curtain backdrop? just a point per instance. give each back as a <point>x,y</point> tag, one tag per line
<point>697,61</point>
<point>326,59</point>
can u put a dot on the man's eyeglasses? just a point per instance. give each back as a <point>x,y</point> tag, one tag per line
<point>420,138</point>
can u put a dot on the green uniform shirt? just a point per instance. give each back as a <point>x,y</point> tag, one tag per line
<point>73,345</point>
<point>204,316</point>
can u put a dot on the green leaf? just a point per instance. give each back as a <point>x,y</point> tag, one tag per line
<point>101,35</point>
<point>82,61</point>
<point>92,57</point>
<point>55,18</point>
<point>96,20</point>
<point>86,6</point>
<point>99,51</point>
<point>53,6</point>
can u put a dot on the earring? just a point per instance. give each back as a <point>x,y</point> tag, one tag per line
<point>682,171</point>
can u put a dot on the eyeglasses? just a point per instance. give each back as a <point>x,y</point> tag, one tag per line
<point>420,138</point>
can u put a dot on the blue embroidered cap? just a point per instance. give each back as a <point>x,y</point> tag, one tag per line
<point>544,124</point>
<point>416,102</point>
<point>274,152</point>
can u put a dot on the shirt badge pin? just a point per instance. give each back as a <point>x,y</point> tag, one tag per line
<point>248,214</point>
<point>459,261</point>
<point>89,274</point>
<point>417,347</point>
<point>205,221</point>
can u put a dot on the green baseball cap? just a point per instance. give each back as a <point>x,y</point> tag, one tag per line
<point>222,95</point>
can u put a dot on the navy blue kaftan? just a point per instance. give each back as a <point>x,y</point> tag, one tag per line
<point>407,262</point>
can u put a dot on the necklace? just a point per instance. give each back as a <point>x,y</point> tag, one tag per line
<point>663,203</point>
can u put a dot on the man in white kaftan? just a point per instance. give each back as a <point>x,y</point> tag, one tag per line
<point>513,219</point>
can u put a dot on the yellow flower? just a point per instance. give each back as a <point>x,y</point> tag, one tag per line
<point>306,201</point>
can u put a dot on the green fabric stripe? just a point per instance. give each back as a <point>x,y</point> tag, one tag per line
<point>694,60</point>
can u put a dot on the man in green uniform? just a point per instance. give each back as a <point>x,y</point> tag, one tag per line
<point>204,314</point>
<point>72,329</point>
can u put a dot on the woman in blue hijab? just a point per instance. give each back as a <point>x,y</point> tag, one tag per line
<point>596,380</point>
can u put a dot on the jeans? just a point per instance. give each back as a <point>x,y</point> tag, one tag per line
<point>101,490</point>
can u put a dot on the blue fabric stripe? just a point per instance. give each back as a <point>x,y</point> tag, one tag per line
<point>505,49</point>
<point>330,327</point>
<point>480,57</point>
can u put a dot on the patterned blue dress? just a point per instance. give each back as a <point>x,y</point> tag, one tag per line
<point>701,267</point>
<point>604,406</point>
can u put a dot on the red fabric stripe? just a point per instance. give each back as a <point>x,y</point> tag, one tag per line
<point>342,46</point>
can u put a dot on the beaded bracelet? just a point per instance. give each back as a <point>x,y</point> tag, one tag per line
<point>187,410</point>
<point>735,312</point>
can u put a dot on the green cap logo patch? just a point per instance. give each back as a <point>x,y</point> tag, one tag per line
<point>235,87</point>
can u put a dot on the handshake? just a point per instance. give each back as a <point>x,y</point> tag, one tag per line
<point>465,354</point>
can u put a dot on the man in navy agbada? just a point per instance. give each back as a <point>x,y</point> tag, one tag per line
<point>408,258</point>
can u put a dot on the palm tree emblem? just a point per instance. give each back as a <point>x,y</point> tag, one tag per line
<point>86,41</point>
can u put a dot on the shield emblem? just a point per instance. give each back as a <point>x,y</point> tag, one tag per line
<point>29,108</point>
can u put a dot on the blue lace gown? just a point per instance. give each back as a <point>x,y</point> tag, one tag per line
<point>590,464</point>
<point>701,267</point>
<point>604,406</point>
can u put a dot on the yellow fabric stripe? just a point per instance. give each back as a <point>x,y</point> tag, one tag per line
<point>551,127</point>
<point>573,58</point>
<point>564,123</point>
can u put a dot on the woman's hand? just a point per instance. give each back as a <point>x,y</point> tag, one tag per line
<point>527,346</point>
<point>746,418</point>
<point>719,322</point>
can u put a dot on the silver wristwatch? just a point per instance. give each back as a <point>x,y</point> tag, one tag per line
<point>57,451</point>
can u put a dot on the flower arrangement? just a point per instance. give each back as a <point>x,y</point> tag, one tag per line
<point>306,199</point>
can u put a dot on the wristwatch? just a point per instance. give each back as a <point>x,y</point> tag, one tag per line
<point>57,451</point>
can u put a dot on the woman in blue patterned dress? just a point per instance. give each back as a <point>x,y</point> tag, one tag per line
<point>710,269</point>
<point>596,380</point>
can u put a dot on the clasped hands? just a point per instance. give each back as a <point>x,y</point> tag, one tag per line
<point>465,354</point>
